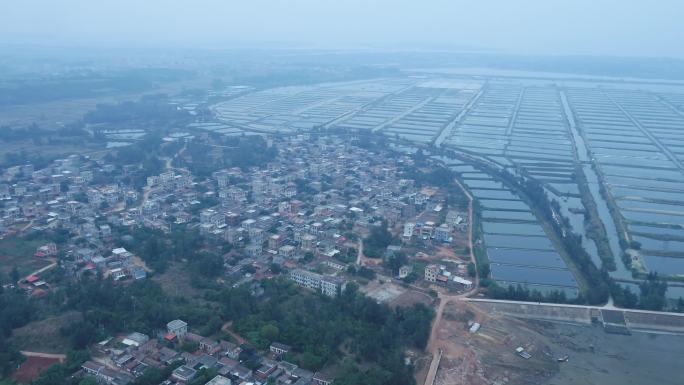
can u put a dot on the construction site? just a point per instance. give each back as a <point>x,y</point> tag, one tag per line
<point>489,343</point>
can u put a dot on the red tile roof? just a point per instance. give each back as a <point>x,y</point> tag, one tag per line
<point>32,278</point>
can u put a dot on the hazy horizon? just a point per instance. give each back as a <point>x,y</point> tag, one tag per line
<point>526,27</point>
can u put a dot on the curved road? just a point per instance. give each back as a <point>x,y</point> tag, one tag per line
<point>446,298</point>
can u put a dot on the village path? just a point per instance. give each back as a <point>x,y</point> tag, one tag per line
<point>60,357</point>
<point>359,253</point>
<point>48,267</point>
<point>434,343</point>
<point>228,328</point>
<point>470,235</point>
<point>28,225</point>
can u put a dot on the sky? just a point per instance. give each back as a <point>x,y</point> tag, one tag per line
<point>633,28</point>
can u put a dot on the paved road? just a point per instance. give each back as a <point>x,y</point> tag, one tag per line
<point>608,306</point>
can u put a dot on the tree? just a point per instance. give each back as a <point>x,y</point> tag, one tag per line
<point>88,381</point>
<point>154,376</point>
<point>472,271</point>
<point>319,328</point>
<point>484,269</point>
<point>365,272</point>
<point>275,268</point>
<point>189,347</point>
<point>10,357</point>
<point>269,332</point>
<point>14,275</point>
<point>213,326</point>
<point>377,241</point>
<point>653,293</point>
<point>395,261</point>
<point>308,257</point>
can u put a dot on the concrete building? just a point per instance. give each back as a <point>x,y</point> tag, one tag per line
<point>431,272</point>
<point>327,285</point>
<point>405,270</point>
<point>177,327</point>
<point>408,229</point>
<point>308,241</point>
<point>219,380</point>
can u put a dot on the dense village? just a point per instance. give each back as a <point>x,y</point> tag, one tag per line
<point>322,212</point>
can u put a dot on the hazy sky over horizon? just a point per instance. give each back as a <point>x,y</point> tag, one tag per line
<point>592,27</point>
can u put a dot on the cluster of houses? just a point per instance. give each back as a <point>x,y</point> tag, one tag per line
<point>310,201</point>
<point>305,212</point>
<point>440,275</point>
<point>443,233</point>
<point>123,359</point>
<point>119,264</point>
<point>70,193</point>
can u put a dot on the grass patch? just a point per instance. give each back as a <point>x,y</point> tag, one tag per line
<point>18,251</point>
<point>175,282</point>
<point>44,336</point>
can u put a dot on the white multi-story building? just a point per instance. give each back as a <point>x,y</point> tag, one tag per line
<point>327,285</point>
<point>177,327</point>
<point>408,229</point>
<point>331,286</point>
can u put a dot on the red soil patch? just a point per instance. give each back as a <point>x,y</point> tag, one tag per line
<point>32,367</point>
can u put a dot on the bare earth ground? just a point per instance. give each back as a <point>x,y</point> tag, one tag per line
<point>32,367</point>
<point>412,297</point>
<point>395,294</point>
<point>488,357</point>
<point>595,357</point>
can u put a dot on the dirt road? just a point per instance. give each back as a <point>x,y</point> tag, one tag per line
<point>48,267</point>
<point>60,357</point>
<point>228,328</point>
<point>434,346</point>
<point>359,253</point>
<point>470,232</point>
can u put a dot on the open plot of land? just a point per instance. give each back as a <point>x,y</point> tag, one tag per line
<point>44,336</point>
<point>385,292</point>
<point>19,252</point>
<point>32,367</point>
<point>49,151</point>
<point>177,283</point>
<point>394,294</point>
<point>593,356</point>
